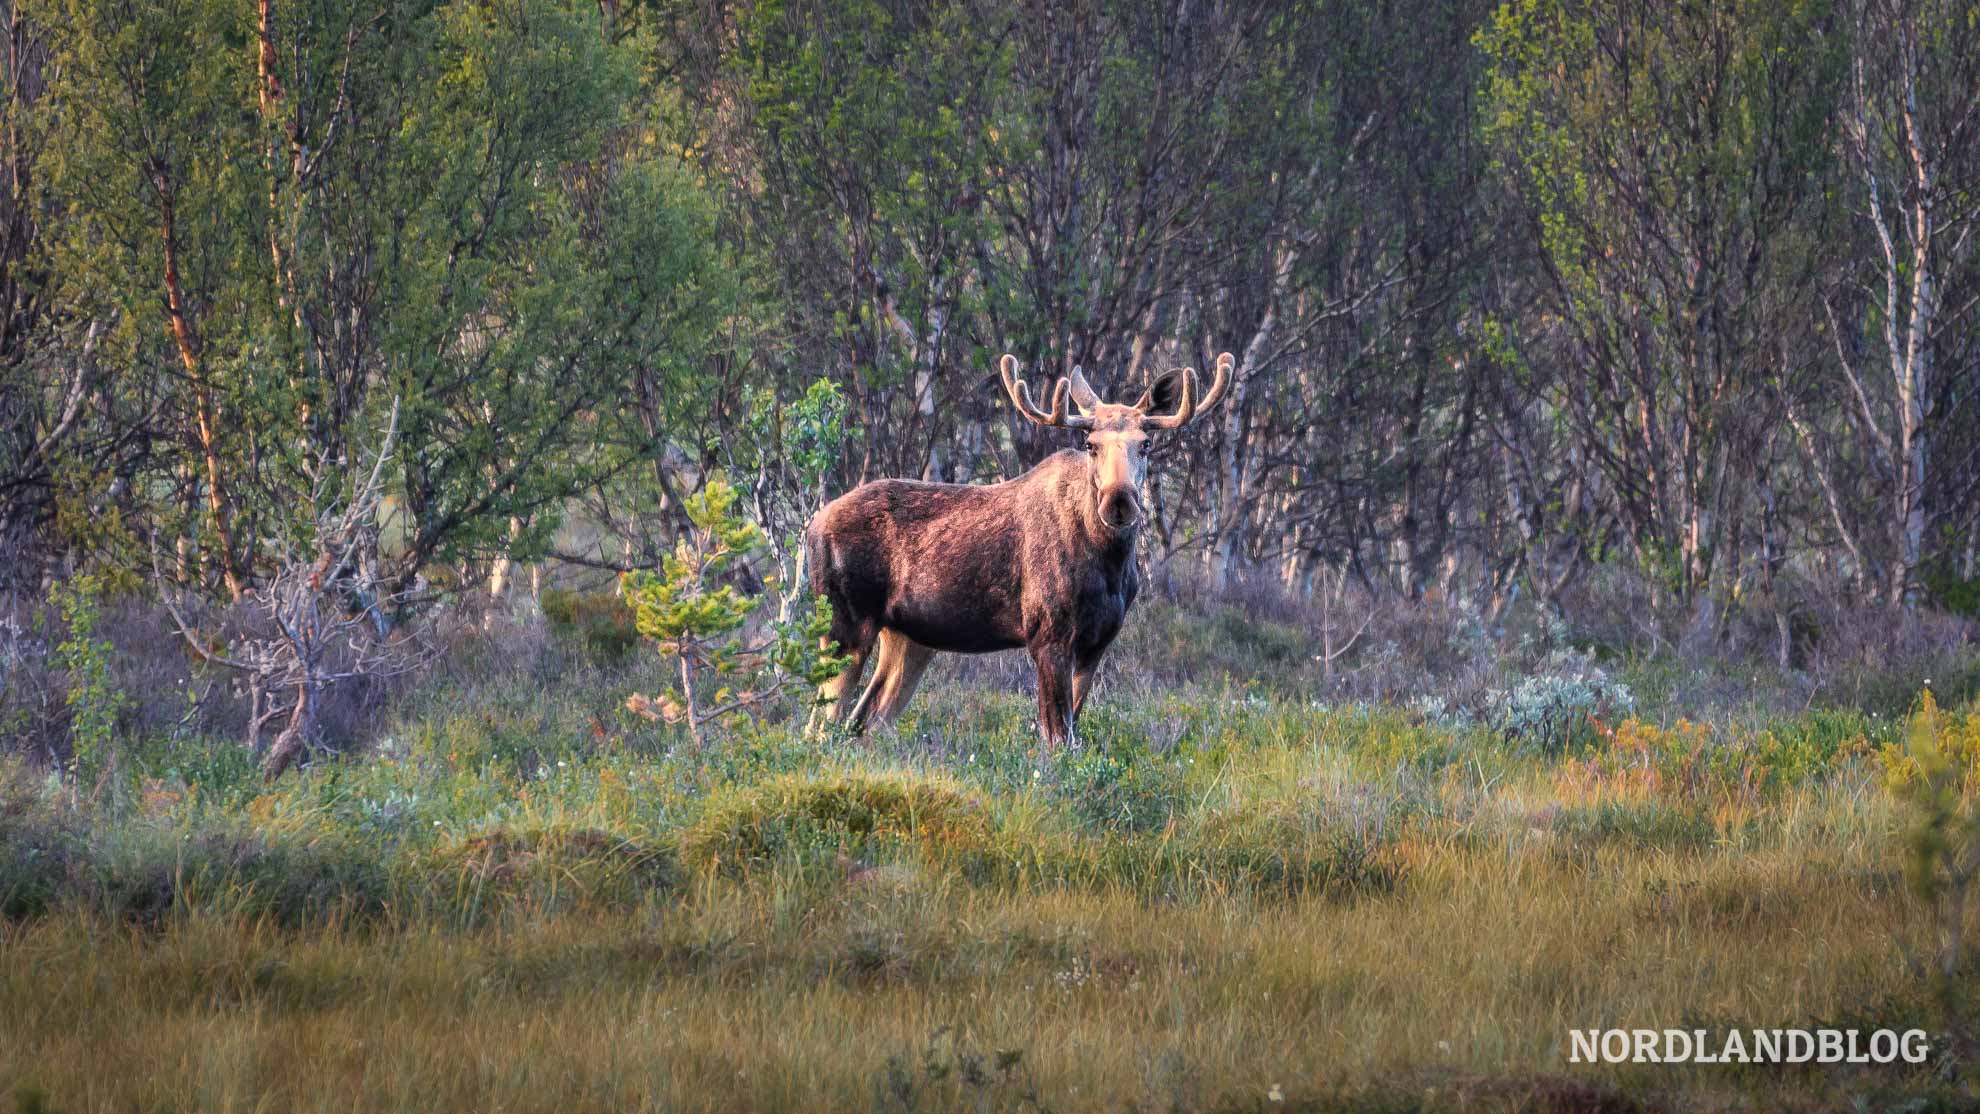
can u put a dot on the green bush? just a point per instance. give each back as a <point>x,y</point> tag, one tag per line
<point>94,702</point>
<point>36,850</point>
<point>720,670</point>
<point>601,623</point>
<point>146,874</point>
<point>1123,788</point>
<point>1794,750</point>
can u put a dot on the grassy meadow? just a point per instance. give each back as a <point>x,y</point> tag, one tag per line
<point>1234,896</point>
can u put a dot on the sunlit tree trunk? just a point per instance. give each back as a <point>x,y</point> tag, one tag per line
<point>205,419</point>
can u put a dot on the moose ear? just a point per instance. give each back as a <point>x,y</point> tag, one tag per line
<point>1082,393</point>
<point>1164,395</point>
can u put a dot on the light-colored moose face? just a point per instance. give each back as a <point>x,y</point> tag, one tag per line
<point>1117,449</point>
<point>1117,435</point>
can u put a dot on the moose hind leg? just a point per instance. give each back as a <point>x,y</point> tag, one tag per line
<point>1086,677</point>
<point>889,650</point>
<point>908,666</point>
<point>1082,686</point>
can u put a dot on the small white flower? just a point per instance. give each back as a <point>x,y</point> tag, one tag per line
<point>1275,1094</point>
<point>1444,1047</point>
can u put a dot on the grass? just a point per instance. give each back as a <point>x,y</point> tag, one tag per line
<point>791,993</point>
<point>1231,898</point>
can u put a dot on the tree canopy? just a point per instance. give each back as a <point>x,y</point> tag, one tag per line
<point>1519,290</point>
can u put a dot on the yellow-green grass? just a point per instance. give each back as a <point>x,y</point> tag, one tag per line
<point>1338,908</point>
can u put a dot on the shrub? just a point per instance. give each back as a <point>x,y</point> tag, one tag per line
<point>1560,707</point>
<point>1123,788</point>
<point>1950,592</point>
<point>36,850</point>
<point>1936,776</point>
<point>1804,747</point>
<point>94,703</point>
<point>1684,766</point>
<point>146,874</point>
<point>1940,752</point>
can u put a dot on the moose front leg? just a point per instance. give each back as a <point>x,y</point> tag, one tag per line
<point>1086,674</point>
<point>1082,687</point>
<point>1055,694</point>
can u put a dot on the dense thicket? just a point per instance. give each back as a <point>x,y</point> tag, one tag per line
<point>1518,291</point>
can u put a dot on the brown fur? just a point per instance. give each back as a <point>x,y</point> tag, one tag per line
<point>1044,562</point>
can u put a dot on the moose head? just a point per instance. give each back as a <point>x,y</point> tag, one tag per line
<point>1117,434</point>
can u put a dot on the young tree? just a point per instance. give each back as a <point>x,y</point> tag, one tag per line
<point>727,664</point>
<point>321,612</point>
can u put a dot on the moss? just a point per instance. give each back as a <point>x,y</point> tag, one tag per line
<point>850,813</point>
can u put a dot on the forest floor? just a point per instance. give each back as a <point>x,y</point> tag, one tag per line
<point>1229,898</point>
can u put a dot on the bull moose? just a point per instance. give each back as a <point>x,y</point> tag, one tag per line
<point>1044,562</point>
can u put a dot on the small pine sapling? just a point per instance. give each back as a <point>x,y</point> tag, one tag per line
<point>703,625</point>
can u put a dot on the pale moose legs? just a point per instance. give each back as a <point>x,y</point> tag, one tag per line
<point>1065,680</point>
<point>898,663</point>
<point>897,669</point>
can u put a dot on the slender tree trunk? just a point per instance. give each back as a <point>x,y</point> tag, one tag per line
<point>498,576</point>
<point>205,421</point>
<point>1229,515</point>
<point>692,712</point>
<point>1914,386</point>
<point>295,737</point>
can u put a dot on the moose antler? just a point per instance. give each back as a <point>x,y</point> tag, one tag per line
<point>1021,398</point>
<point>1190,405</point>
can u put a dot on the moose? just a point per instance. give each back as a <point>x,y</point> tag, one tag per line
<point>1043,562</point>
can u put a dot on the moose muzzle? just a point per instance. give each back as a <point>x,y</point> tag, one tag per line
<point>1119,508</point>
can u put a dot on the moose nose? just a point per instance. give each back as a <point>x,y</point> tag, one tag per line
<point>1118,508</point>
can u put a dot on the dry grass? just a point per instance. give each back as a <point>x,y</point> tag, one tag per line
<point>899,984</point>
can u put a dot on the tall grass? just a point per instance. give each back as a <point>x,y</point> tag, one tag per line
<point>1233,896</point>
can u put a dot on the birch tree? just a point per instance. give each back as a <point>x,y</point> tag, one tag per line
<point>1910,127</point>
